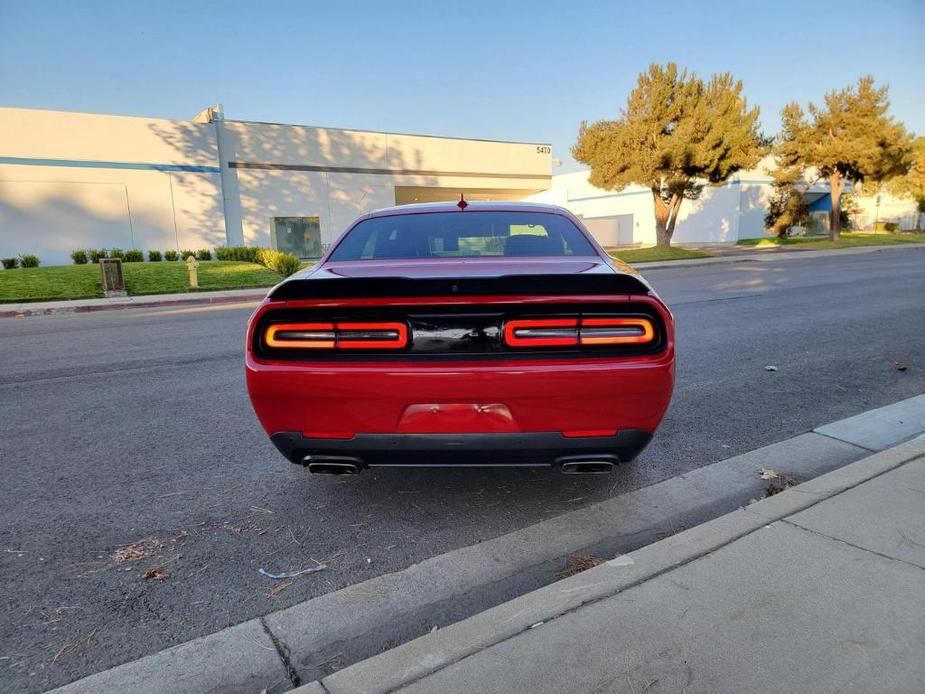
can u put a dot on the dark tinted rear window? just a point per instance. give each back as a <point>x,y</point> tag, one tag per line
<point>463,235</point>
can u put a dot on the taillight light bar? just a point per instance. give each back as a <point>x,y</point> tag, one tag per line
<point>371,335</point>
<point>337,335</point>
<point>572,332</point>
<point>541,332</point>
<point>616,331</point>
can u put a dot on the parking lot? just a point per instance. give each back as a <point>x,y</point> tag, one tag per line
<point>129,449</point>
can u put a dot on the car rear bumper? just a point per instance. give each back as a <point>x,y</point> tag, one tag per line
<point>541,395</point>
<point>530,449</point>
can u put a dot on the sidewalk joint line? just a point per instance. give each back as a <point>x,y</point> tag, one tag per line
<point>850,544</point>
<point>283,652</point>
<point>835,438</point>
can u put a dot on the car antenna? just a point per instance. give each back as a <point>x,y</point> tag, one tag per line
<point>462,204</point>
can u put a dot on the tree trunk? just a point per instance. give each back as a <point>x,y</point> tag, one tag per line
<point>662,234</point>
<point>836,187</point>
<point>673,207</point>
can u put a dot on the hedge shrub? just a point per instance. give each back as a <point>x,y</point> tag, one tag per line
<point>203,254</point>
<point>96,254</point>
<point>133,255</point>
<point>28,260</point>
<point>79,257</point>
<point>116,253</point>
<point>288,264</point>
<point>10,263</point>
<point>184,254</point>
<point>283,263</point>
<point>247,254</point>
<point>171,255</point>
<point>154,256</point>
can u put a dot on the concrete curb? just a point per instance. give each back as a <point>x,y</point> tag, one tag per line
<point>769,255</point>
<point>240,660</point>
<point>424,656</point>
<point>351,625</point>
<point>50,308</point>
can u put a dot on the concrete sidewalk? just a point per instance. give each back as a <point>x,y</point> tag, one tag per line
<point>820,588</point>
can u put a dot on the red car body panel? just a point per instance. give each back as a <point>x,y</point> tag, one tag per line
<point>574,398</point>
<point>542,395</point>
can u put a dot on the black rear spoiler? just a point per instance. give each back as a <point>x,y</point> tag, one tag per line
<point>508,285</point>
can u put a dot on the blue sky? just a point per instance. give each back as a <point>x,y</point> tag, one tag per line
<point>527,71</point>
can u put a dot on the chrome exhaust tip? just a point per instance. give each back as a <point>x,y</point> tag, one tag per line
<point>332,465</point>
<point>587,466</point>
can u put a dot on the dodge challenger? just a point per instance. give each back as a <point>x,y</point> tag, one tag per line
<point>468,334</point>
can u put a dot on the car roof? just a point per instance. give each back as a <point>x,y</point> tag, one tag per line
<point>481,206</point>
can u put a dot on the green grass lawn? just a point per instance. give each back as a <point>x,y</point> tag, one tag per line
<point>653,253</point>
<point>847,240</point>
<point>83,281</point>
<point>171,278</point>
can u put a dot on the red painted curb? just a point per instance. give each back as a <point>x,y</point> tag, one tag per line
<point>127,305</point>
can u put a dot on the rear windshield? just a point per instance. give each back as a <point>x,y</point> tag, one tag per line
<point>463,235</point>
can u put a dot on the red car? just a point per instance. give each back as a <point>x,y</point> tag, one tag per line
<point>469,334</point>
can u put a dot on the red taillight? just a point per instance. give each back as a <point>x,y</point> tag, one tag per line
<point>571,332</point>
<point>541,332</point>
<point>616,331</point>
<point>338,335</point>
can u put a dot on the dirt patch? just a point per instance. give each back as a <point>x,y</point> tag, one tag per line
<point>576,563</point>
<point>142,549</point>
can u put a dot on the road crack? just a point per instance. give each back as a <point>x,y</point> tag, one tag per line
<point>282,650</point>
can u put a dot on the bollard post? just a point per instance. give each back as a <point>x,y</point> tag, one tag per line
<point>192,264</point>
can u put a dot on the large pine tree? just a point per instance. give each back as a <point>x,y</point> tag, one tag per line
<point>676,134</point>
<point>850,138</point>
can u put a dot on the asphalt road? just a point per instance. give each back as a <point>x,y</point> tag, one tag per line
<point>134,425</point>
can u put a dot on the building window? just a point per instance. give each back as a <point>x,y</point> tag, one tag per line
<point>300,236</point>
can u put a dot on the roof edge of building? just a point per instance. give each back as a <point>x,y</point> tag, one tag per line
<point>387,132</point>
<point>5,107</point>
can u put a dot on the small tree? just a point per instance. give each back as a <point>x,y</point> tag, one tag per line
<point>848,139</point>
<point>786,208</point>
<point>676,134</point>
<point>913,183</point>
<point>850,209</point>
<point>787,205</point>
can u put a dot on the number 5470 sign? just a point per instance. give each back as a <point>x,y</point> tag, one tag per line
<point>543,149</point>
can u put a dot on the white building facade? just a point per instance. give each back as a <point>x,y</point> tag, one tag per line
<point>77,180</point>
<point>726,213</point>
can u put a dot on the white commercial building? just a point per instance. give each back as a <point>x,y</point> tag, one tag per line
<point>78,180</point>
<point>721,214</point>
